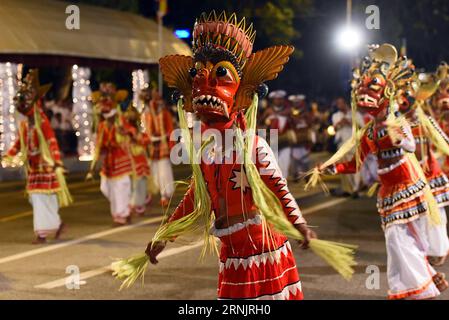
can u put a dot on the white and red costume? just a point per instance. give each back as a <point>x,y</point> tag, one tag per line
<point>251,267</point>
<point>158,123</point>
<point>42,184</point>
<point>403,203</point>
<point>403,213</point>
<point>138,146</point>
<point>439,184</point>
<point>116,171</point>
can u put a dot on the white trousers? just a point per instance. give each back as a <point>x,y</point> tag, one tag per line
<point>139,194</point>
<point>437,237</point>
<point>409,274</point>
<point>284,161</point>
<point>118,192</point>
<point>163,177</point>
<point>46,218</point>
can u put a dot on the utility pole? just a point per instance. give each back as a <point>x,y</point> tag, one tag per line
<point>160,19</point>
<point>348,12</point>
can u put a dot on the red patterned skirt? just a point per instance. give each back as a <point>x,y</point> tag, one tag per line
<point>141,166</point>
<point>254,268</point>
<point>401,196</point>
<point>42,182</point>
<point>438,181</point>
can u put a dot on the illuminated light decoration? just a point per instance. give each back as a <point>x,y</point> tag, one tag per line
<point>182,33</point>
<point>140,80</point>
<point>10,77</point>
<point>349,38</point>
<point>82,112</point>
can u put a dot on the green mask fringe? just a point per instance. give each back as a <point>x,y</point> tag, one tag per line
<point>433,132</point>
<point>201,217</point>
<point>393,123</point>
<point>337,255</point>
<point>372,190</point>
<point>315,176</point>
<point>97,151</point>
<point>64,196</point>
<point>434,213</point>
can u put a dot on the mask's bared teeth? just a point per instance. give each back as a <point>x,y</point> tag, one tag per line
<point>214,99</point>
<point>225,109</point>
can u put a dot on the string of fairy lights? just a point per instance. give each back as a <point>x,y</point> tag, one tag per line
<point>140,81</point>
<point>10,79</point>
<point>82,112</point>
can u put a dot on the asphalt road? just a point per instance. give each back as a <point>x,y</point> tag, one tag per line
<point>91,244</point>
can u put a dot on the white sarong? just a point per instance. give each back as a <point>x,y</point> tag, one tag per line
<point>437,237</point>
<point>46,218</point>
<point>409,274</point>
<point>118,192</point>
<point>163,177</point>
<point>139,194</point>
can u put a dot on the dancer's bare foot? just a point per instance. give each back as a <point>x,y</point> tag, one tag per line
<point>440,281</point>
<point>120,222</point>
<point>39,240</point>
<point>62,228</point>
<point>164,202</point>
<point>436,261</point>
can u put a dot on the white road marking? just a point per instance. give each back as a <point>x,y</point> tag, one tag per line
<point>93,236</point>
<point>96,272</point>
<point>170,252</point>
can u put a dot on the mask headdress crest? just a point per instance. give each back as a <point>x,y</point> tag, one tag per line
<point>30,91</point>
<point>225,38</point>
<point>384,76</point>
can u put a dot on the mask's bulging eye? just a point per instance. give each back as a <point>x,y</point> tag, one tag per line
<point>193,72</point>
<point>221,71</point>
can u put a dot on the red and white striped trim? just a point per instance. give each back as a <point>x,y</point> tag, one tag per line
<point>259,281</point>
<point>257,220</point>
<point>292,289</point>
<point>271,256</point>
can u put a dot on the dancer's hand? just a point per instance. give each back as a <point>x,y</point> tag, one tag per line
<point>307,233</point>
<point>153,250</point>
<point>325,170</point>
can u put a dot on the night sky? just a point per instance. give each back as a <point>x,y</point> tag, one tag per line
<point>323,70</point>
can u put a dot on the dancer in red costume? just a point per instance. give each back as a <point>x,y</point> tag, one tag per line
<point>39,151</point>
<point>440,104</point>
<point>386,86</point>
<point>158,123</point>
<point>238,193</point>
<point>116,166</point>
<point>429,137</point>
<point>251,266</point>
<point>137,147</point>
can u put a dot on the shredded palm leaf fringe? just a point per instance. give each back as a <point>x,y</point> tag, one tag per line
<point>394,125</point>
<point>339,256</point>
<point>130,270</point>
<point>353,144</point>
